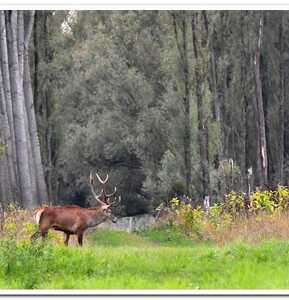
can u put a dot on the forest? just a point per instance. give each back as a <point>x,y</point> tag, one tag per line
<point>168,103</point>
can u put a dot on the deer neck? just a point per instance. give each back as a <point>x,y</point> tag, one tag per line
<point>96,217</point>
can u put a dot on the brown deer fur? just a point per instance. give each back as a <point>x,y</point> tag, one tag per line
<point>71,219</point>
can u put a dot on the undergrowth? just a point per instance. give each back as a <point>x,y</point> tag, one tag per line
<point>227,247</point>
<point>264,215</point>
<point>138,261</point>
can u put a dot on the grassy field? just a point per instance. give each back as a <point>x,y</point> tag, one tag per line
<point>154,259</point>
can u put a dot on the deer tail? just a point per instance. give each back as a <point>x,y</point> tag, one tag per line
<point>38,214</point>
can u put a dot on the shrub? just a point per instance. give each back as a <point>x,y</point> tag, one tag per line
<point>282,196</point>
<point>269,201</point>
<point>262,201</point>
<point>187,218</point>
<point>234,204</point>
<point>214,215</point>
<point>19,225</point>
<point>267,216</point>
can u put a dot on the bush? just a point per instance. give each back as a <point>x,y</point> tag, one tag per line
<point>234,204</point>
<point>214,215</point>
<point>269,201</point>
<point>187,218</point>
<point>18,225</point>
<point>229,218</point>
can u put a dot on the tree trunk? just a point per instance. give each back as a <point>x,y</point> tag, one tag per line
<point>203,136</point>
<point>20,42</point>
<point>259,113</point>
<point>216,103</point>
<point>8,104</point>
<point>36,155</point>
<point>183,52</point>
<point>19,118</point>
<point>43,96</point>
<point>6,158</point>
<point>281,104</point>
<point>246,124</point>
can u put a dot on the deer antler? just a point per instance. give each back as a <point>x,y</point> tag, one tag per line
<point>100,180</point>
<point>110,195</point>
<point>105,197</point>
<point>93,192</point>
<point>116,202</point>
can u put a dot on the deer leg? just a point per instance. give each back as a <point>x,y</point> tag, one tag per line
<point>35,235</point>
<point>67,235</point>
<point>44,227</point>
<point>80,238</point>
<point>43,235</point>
<point>44,231</point>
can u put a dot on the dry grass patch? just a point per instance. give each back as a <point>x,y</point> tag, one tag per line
<point>252,229</point>
<point>19,224</point>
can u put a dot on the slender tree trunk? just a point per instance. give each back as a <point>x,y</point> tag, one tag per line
<point>18,123</point>
<point>281,104</point>
<point>43,97</point>
<point>8,105</point>
<point>246,146</point>
<point>20,42</point>
<point>259,112</point>
<point>4,194</point>
<point>216,103</point>
<point>202,118</point>
<point>36,155</point>
<point>6,159</point>
<point>186,99</point>
<point>183,52</point>
<point>19,118</point>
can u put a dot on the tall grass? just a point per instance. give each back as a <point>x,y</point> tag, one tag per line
<point>264,216</point>
<point>110,260</point>
<point>226,253</point>
<point>18,225</point>
<point>143,265</point>
<point>253,229</point>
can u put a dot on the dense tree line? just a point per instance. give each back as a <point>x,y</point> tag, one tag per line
<point>22,177</point>
<point>166,102</point>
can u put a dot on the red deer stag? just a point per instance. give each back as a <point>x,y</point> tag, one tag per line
<point>73,219</point>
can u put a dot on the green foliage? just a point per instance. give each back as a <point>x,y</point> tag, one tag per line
<point>170,180</point>
<point>281,195</point>
<point>188,219</point>
<point>115,82</point>
<point>270,201</point>
<point>135,266</point>
<point>115,238</point>
<point>17,223</point>
<point>199,224</point>
<point>233,204</point>
<point>99,264</point>
<point>23,263</point>
<point>166,235</point>
<point>262,201</point>
<point>215,215</point>
<point>225,178</point>
<point>112,102</point>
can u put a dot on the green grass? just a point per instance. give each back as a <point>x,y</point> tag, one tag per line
<point>152,259</point>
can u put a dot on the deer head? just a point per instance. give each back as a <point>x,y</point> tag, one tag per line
<point>103,198</point>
